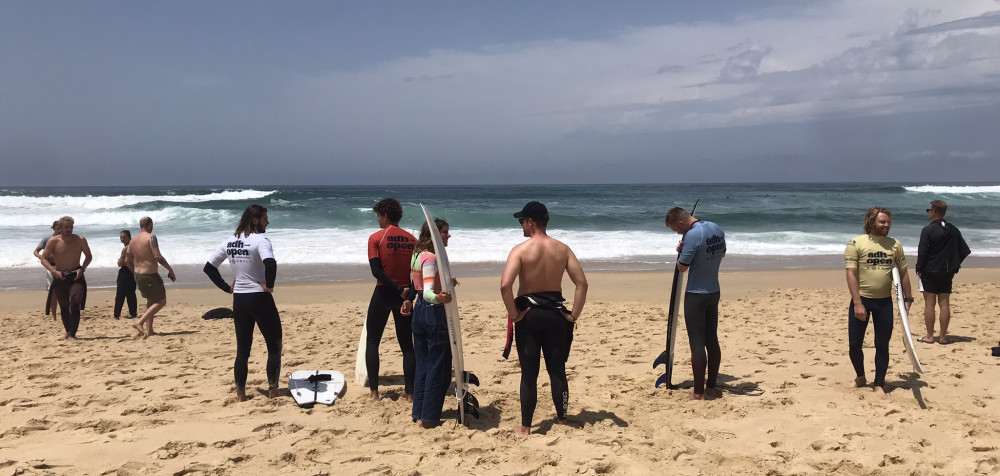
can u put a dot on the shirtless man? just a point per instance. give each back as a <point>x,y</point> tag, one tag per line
<point>542,324</point>
<point>61,258</point>
<point>144,254</point>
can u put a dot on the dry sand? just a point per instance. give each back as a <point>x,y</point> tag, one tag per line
<point>109,405</point>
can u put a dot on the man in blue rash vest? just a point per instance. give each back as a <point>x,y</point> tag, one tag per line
<point>541,322</point>
<point>702,247</point>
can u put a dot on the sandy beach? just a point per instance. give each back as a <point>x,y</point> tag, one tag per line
<point>107,404</point>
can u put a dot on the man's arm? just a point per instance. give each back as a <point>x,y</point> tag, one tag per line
<point>38,253</point>
<point>904,280</point>
<point>510,272</point>
<point>87,258</point>
<point>852,285</point>
<point>922,251</point>
<point>154,247</point>
<point>579,279</point>
<point>46,254</point>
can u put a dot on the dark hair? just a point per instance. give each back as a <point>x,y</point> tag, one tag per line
<point>126,233</point>
<point>247,226</point>
<point>676,215</point>
<point>391,208</point>
<point>424,242</point>
<point>872,215</point>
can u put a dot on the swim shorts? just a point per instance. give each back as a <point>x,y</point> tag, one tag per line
<point>937,283</point>
<point>151,286</point>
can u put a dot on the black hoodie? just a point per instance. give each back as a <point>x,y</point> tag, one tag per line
<point>942,248</point>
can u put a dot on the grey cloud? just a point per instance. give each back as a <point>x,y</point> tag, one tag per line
<point>423,78</point>
<point>670,69</point>
<point>986,20</point>
<point>744,64</point>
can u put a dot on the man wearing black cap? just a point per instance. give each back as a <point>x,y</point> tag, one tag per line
<point>542,324</point>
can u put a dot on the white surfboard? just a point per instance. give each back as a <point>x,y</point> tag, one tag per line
<point>905,319</point>
<point>360,364</point>
<point>309,387</point>
<point>466,402</point>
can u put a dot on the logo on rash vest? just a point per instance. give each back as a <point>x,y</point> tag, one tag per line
<point>396,243</point>
<point>879,257</point>
<point>715,244</point>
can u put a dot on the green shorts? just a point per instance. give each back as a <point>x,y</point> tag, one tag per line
<point>151,286</point>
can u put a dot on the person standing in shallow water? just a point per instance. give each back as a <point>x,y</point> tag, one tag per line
<point>252,260</point>
<point>389,253</point>
<point>869,259</point>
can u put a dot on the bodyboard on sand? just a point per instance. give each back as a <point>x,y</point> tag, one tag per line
<point>673,313</point>
<point>309,387</point>
<point>905,319</point>
<point>467,403</point>
<point>360,366</point>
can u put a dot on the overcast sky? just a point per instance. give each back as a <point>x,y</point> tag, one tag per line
<point>569,91</point>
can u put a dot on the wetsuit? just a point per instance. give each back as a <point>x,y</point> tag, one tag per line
<point>939,256</point>
<point>125,292</point>
<point>544,331</point>
<point>72,296</point>
<point>703,250</point>
<point>389,253</point>
<point>252,261</point>
<point>431,345</point>
<point>873,258</point>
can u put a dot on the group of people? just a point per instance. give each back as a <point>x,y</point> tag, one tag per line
<point>66,276</point>
<point>870,259</point>
<point>409,287</point>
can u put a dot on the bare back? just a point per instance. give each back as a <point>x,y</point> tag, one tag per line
<point>145,253</point>
<point>543,260</point>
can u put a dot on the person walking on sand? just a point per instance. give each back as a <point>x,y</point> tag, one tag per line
<point>869,259</point>
<point>939,256</point>
<point>143,252</point>
<point>702,247</point>
<point>61,257</point>
<point>389,253</point>
<point>542,324</point>
<point>252,260</point>
<point>126,280</point>
<point>50,301</point>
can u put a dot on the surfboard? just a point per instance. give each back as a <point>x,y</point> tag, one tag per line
<point>905,319</point>
<point>467,403</point>
<point>309,387</point>
<point>360,364</point>
<point>673,312</point>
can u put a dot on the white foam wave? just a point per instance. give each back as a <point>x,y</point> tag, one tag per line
<point>957,189</point>
<point>69,204</point>
<point>84,219</point>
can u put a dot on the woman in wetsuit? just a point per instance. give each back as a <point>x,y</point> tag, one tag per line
<point>252,261</point>
<point>431,345</point>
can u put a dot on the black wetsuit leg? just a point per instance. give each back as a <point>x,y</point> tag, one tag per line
<point>125,292</point>
<point>701,317</point>
<point>880,313</point>
<point>69,293</point>
<point>542,332</point>
<point>384,301</point>
<point>250,309</point>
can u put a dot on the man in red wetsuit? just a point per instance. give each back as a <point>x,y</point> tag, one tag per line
<point>389,253</point>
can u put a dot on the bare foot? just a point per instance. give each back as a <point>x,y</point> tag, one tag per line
<point>409,397</point>
<point>241,396</point>
<point>712,393</point>
<point>696,396</point>
<point>522,430</point>
<point>944,340</point>
<point>879,391</point>
<point>374,395</point>
<point>859,382</point>
<point>139,335</point>
<point>69,337</point>
<point>272,392</point>
<point>430,424</point>
<point>562,421</point>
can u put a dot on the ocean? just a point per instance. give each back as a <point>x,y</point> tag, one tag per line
<point>320,233</point>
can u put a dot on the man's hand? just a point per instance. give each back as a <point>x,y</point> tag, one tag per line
<point>79,274</point>
<point>262,286</point>
<point>406,291</point>
<point>860,313</point>
<point>407,308</point>
<point>520,315</point>
<point>170,274</point>
<point>569,316</point>
<point>443,297</point>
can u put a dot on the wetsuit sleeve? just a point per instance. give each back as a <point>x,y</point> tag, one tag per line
<point>428,266</point>
<point>270,272</point>
<point>216,277</point>
<point>379,272</point>
<point>922,249</point>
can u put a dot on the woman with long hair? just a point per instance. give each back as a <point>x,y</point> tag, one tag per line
<point>431,345</point>
<point>252,261</point>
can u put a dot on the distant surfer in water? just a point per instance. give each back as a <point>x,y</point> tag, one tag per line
<point>389,253</point>
<point>542,324</point>
<point>252,260</point>
<point>702,247</point>
<point>431,345</point>
<point>869,259</point>
<point>939,256</point>
<point>61,257</point>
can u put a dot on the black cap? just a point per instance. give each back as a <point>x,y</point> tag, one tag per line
<point>533,210</point>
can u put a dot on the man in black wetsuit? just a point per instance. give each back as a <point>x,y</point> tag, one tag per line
<point>126,280</point>
<point>939,256</point>
<point>542,325</point>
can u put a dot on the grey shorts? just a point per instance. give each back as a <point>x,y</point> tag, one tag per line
<point>151,286</point>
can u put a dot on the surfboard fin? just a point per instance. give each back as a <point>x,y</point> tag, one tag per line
<point>471,405</point>
<point>661,360</point>
<point>470,378</point>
